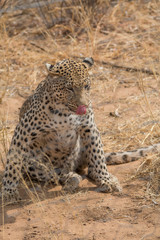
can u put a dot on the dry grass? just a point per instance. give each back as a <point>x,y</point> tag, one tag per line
<point>124,34</point>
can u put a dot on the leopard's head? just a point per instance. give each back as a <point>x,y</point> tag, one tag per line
<point>73,86</point>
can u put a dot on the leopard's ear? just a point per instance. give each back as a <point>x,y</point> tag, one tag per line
<point>49,67</point>
<point>88,61</point>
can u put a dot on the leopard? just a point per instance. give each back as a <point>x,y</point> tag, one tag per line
<point>56,137</point>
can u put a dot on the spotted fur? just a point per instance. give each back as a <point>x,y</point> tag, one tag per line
<point>130,156</point>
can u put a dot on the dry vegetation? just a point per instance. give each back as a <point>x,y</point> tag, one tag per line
<point>124,39</point>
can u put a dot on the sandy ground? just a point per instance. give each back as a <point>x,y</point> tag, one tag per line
<point>85,215</point>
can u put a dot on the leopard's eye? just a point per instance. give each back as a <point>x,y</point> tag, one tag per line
<point>87,87</point>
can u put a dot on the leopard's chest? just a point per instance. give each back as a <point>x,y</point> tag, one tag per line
<point>61,139</point>
<point>60,145</point>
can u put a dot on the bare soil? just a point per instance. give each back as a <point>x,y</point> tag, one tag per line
<point>126,106</point>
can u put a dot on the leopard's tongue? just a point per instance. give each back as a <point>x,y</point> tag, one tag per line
<point>81,110</point>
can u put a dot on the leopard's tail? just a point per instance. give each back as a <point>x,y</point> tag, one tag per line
<point>116,158</point>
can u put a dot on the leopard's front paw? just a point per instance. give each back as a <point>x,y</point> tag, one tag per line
<point>72,183</point>
<point>115,185</point>
<point>10,196</point>
<point>112,185</point>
